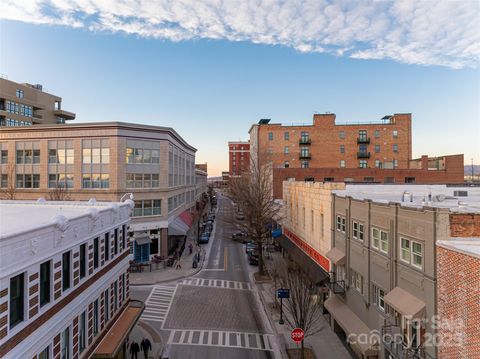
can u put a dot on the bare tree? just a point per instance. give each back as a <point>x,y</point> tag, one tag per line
<point>9,191</point>
<point>303,309</point>
<point>59,193</point>
<point>252,192</point>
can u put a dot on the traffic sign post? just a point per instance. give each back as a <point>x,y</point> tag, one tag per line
<point>282,293</point>
<point>297,335</point>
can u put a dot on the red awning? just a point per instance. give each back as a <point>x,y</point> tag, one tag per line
<point>186,218</point>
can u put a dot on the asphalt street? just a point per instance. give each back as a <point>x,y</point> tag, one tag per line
<point>215,313</point>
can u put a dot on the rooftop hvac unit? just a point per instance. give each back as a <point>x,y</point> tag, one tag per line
<point>460,193</point>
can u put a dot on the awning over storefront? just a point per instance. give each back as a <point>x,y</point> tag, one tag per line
<point>113,341</point>
<point>405,303</point>
<point>146,226</point>
<point>177,228</point>
<point>308,265</point>
<point>186,218</point>
<point>351,324</point>
<point>336,256</point>
<point>143,240</point>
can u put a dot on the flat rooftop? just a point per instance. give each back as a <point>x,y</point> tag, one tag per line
<point>23,216</point>
<point>418,196</point>
<point>468,246</point>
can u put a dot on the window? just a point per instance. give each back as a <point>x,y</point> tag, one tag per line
<point>342,135</point>
<point>362,135</point>
<point>115,296</point>
<point>95,317</point>
<point>395,133</point>
<point>395,163</point>
<point>411,252</point>
<point>81,332</point>
<point>362,164</point>
<point>107,306</point>
<point>378,164</point>
<point>4,181</point>
<point>369,179</point>
<point>409,179</point>
<point>380,240</point>
<point>123,288</point>
<point>395,148</point>
<point>96,180</point>
<point>83,260</point>
<point>149,207</point>
<point>356,281</point>
<point>377,148</point>
<point>305,137</point>
<point>342,163</point>
<point>107,246</point>
<point>286,164</point>
<point>270,136</point>
<point>285,150</point>
<point>28,156</point>
<point>286,136</point>
<point>66,271</point>
<point>362,148</point>
<point>19,93</point>
<point>340,275</point>
<point>377,133</point>
<point>142,155</point>
<point>378,298</point>
<point>95,253</point>
<point>28,181</point>
<point>45,353</point>
<point>358,230</point>
<point>123,236</point>
<point>60,180</point>
<point>45,282</point>
<point>115,243</point>
<point>65,344</point>
<point>342,148</point>
<point>305,164</point>
<point>341,224</point>
<point>4,156</point>
<point>304,152</point>
<point>17,296</point>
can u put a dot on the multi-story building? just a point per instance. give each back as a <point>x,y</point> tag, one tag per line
<point>26,104</point>
<point>201,179</point>
<point>107,161</point>
<point>425,170</point>
<point>384,295</point>
<point>64,280</point>
<point>458,273</point>
<point>238,157</point>
<point>326,144</point>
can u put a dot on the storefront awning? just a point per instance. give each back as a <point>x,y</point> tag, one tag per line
<point>143,240</point>
<point>112,342</point>
<point>177,228</point>
<point>351,324</point>
<point>146,226</point>
<point>186,218</point>
<point>405,303</point>
<point>308,265</point>
<point>336,256</point>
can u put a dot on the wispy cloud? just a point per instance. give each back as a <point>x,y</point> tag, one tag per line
<point>443,32</point>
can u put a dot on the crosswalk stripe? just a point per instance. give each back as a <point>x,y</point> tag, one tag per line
<point>158,303</point>
<point>218,283</point>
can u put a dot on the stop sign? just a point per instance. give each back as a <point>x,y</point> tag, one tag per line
<point>297,335</point>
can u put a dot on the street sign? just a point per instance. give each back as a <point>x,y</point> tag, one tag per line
<point>297,335</point>
<point>283,293</point>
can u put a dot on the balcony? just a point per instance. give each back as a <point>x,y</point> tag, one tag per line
<point>37,116</point>
<point>305,141</point>
<point>336,286</point>
<point>305,156</point>
<point>363,140</point>
<point>363,154</point>
<point>393,340</point>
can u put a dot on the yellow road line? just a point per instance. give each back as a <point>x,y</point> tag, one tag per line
<point>225,252</point>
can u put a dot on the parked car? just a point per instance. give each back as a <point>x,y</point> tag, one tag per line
<point>207,233</point>
<point>250,247</point>
<point>239,236</point>
<point>204,238</point>
<point>253,257</point>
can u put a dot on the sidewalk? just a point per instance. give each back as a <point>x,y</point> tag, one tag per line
<point>325,343</point>
<point>168,274</point>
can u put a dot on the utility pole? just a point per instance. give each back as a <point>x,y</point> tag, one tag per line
<point>472,169</point>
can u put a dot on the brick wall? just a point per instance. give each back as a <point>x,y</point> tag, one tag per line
<point>458,299</point>
<point>464,225</point>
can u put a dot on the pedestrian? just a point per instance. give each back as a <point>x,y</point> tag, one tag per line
<point>134,349</point>
<point>146,346</point>
<point>179,265</point>
<point>190,247</point>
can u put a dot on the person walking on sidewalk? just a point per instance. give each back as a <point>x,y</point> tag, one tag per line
<point>146,346</point>
<point>190,247</point>
<point>134,349</point>
<point>179,265</point>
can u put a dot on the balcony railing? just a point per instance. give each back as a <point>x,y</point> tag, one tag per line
<point>393,341</point>
<point>362,154</point>
<point>363,140</point>
<point>305,141</point>
<point>336,286</point>
<point>305,156</point>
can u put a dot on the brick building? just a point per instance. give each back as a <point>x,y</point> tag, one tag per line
<point>458,273</point>
<point>375,248</point>
<point>106,161</point>
<point>326,144</point>
<point>64,282</point>
<point>425,170</point>
<point>238,157</point>
<point>26,104</point>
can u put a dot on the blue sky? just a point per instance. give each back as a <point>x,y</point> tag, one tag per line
<point>212,85</point>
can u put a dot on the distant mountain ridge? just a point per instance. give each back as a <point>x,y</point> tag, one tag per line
<point>467,170</point>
